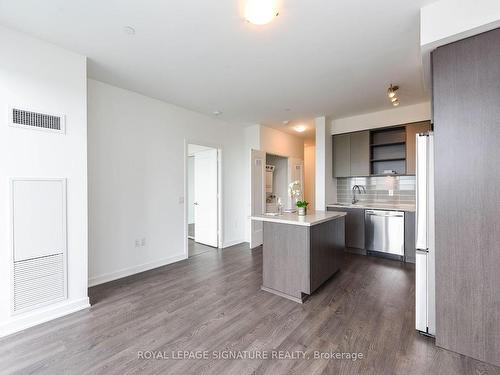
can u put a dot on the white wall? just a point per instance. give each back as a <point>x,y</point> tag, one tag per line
<point>277,142</point>
<point>190,190</point>
<point>38,75</point>
<point>325,186</point>
<point>252,142</point>
<point>136,179</point>
<point>445,21</point>
<point>310,174</point>
<point>390,117</point>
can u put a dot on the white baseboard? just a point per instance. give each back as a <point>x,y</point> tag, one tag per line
<point>42,315</point>
<point>232,243</point>
<point>96,280</point>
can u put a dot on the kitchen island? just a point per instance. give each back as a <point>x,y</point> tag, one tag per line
<point>301,252</point>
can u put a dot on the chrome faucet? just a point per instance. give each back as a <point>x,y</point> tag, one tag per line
<point>358,188</point>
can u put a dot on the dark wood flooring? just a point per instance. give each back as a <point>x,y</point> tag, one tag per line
<point>195,248</point>
<point>213,302</point>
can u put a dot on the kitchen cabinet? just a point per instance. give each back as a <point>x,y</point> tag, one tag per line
<point>354,226</point>
<point>342,155</point>
<point>410,237</point>
<point>411,153</point>
<point>360,154</point>
<point>466,97</point>
<point>351,154</point>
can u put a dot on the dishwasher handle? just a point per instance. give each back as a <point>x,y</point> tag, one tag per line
<point>384,213</point>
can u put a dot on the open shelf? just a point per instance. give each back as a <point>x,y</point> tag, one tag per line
<point>388,159</point>
<point>387,144</point>
<point>388,150</point>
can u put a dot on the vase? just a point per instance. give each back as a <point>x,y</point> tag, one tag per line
<point>302,211</point>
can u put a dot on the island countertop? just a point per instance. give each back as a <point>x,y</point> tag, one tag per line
<point>312,218</point>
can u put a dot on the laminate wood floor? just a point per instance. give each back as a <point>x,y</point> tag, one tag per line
<point>213,302</point>
<point>195,248</point>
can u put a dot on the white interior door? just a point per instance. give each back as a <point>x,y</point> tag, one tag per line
<point>295,173</point>
<point>258,196</point>
<point>205,197</point>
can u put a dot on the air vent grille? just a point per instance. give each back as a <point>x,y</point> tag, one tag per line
<point>36,120</point>
<point>38,281</point>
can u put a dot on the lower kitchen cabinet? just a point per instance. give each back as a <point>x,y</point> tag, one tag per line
<point>410,237</point>
<point>354,226</point>
<point>355,231</point>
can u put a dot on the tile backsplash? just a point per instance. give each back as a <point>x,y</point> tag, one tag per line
<point>385,189</point>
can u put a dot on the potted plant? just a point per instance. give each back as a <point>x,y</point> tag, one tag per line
<point>302,207</point>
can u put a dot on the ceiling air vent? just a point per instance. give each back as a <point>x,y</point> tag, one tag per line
<point>27,119</point>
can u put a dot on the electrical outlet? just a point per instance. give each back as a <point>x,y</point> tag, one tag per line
<point>137,243</point>
<point>143,241</point>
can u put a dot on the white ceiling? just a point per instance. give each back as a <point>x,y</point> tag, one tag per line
<point>333,57</point>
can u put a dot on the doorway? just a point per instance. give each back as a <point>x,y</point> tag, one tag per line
<point>270,177</point>
<point>202,199</point>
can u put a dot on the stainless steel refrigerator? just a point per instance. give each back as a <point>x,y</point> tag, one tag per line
<point>425,245</point>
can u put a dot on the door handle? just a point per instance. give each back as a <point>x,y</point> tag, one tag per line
<point>422,251</point>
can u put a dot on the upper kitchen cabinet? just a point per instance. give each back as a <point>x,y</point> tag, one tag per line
<point>341,155</point>
<point>360,154</point>
<point>382,151</point>
<point>351,155</point>
<point>411,136</point>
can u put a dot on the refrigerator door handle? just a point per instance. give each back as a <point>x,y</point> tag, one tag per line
<point>422,192</point>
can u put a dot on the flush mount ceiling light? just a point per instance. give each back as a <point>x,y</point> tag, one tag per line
<point>129,30</point>
<point>260,12</point>
<point>217,113</point>
<point>392,94</point>
<point>300,128</point>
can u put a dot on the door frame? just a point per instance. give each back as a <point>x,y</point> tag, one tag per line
<point>220,218</point>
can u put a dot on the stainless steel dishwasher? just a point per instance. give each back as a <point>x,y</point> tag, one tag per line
<point>385,231</point>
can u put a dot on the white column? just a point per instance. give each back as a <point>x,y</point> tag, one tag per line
<point>326,185</point>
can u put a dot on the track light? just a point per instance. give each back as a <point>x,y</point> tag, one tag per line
<point>391,93</point>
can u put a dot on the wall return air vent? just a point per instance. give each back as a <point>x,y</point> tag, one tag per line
<point>28,119</point>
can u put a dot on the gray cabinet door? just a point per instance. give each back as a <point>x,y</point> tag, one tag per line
<point>341,155</point>
<point>466,76</point>
<point>410,237</point>
<point>360,153</point>
<point>354,226</point>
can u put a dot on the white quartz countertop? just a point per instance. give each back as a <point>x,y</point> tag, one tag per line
<point>375,206</point>
<point>312,218</point>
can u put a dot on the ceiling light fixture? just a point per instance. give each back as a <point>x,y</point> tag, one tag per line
<point>300,128</point>
<point>129,30</point>
<point>391,91</point>
<point>260,12</point>
<point>392,94</point>
<point>217,113</point>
